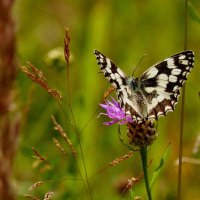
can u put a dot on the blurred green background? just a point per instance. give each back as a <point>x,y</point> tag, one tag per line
<point>124,31</point>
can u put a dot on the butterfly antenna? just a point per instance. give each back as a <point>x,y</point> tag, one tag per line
<point>139,63</point>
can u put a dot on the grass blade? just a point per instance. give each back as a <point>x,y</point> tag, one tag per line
<point>160,166</point>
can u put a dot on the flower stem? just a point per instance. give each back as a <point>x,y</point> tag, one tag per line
<point>143,155</point>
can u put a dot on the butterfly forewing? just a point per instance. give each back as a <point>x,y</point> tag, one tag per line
<point>158,88</point>
<point>114,74</point>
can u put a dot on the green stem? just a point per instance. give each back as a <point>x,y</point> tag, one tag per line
<point>182,109</point>
<point>143,155</point>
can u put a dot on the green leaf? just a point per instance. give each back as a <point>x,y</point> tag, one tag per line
<point>131,194</point>
<point>160,166</point>
<point>193,12</point>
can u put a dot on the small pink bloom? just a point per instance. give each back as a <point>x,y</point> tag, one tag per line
<point>115,112</point>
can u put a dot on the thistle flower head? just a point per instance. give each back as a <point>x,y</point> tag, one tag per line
<point>142,134</point>
<point>115,112</point>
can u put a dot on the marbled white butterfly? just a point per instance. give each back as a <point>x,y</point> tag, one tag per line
<point>155,92</point>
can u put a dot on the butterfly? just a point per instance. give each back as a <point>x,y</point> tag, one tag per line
<point>155,92</point>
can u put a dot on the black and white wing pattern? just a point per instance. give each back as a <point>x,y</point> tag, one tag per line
<point>155,92</point>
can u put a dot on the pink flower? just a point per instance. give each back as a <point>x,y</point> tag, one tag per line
<point>115,112</point>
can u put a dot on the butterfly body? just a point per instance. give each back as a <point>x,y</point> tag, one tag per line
<point>155,92</point>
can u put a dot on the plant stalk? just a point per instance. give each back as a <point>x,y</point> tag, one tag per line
<point>182,110</point>
<point>143,155</point>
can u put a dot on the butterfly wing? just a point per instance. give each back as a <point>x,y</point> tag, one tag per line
<point>118,79</point>
<point>161,84</point>
<point>115,75</point>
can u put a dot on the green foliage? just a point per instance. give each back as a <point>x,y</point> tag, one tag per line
<point>131,194</point>
<point>124,31</point>
<point>193,13</point>
<point>160,166</point>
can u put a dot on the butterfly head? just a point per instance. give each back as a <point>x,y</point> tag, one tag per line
<point>134,84</point>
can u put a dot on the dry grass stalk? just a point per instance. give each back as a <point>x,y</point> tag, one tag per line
<point>30,197</point>
<point>59,146</point>
<point>38,156</point>
<point>188,160</point>
<point>133,181</point>
<point>66,45</point>
<point>35,185</point>
<point>138,198</point>
<point>58,128</point>
<point>48,195</point>
<point>118,160</point>
<point>128,184</point>
<point>38,77</point>
<point>107,92</point>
